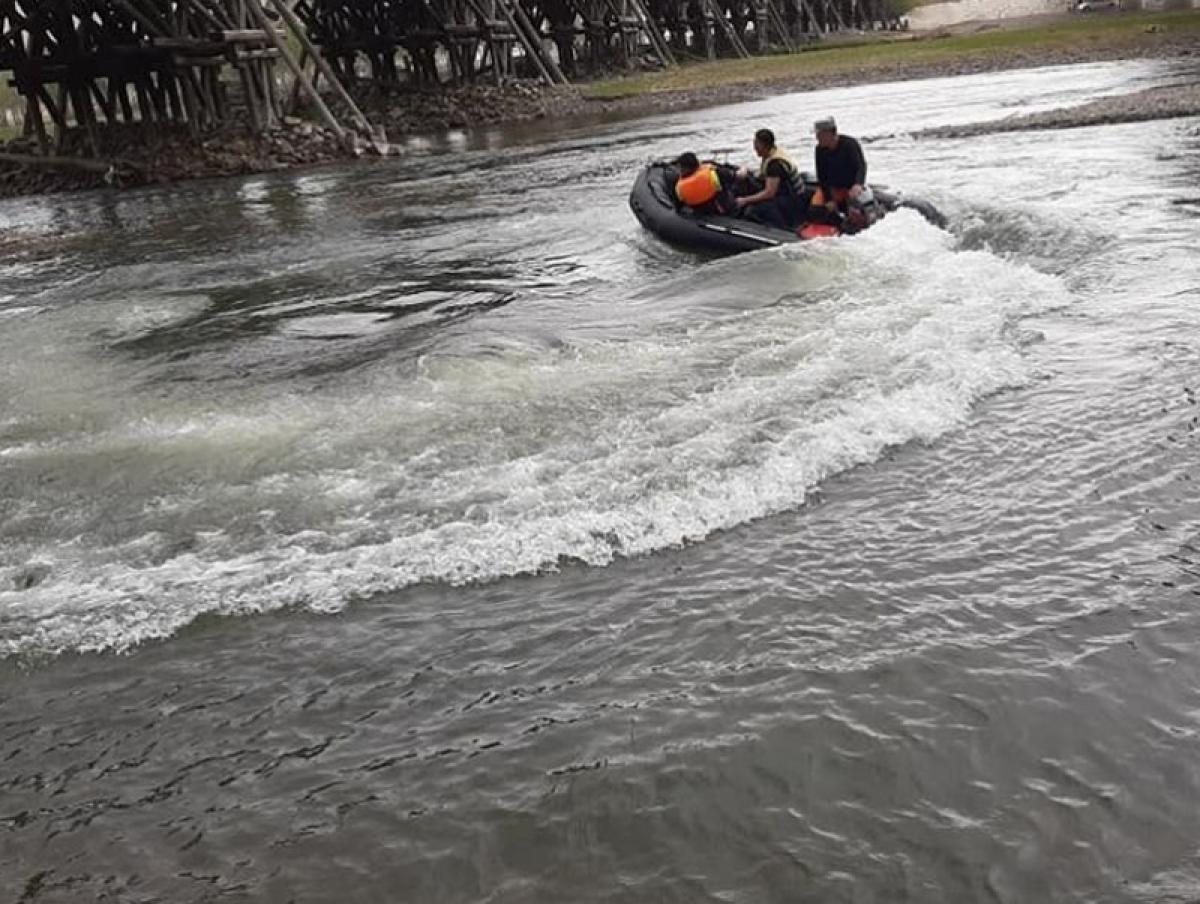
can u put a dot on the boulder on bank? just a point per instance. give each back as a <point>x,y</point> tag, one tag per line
<point>403,110</point>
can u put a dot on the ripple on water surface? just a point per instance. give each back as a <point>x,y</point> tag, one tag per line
<point>858,571</point>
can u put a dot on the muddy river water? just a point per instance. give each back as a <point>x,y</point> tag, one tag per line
<point>426,531</point>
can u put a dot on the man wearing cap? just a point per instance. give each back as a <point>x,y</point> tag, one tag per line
<point>780,200</point>
<point>841,166</point>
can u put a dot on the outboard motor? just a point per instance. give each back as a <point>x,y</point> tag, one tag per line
<point>863,211</point>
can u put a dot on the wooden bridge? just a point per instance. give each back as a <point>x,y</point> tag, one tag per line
<point>555,40</point>
<point>84,66</point>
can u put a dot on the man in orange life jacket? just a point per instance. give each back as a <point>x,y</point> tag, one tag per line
<point>699,185</point>
<point>780,201</point>
<point>841,167</point>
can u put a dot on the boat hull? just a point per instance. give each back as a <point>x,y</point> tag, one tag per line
<point>652,201</point>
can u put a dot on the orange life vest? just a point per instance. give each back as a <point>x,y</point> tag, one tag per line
<point>700,187</point>
<point>840,197</point>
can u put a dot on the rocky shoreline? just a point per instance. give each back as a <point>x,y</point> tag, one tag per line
<point>136,160</point>
<point>409,113</point>
<point>405,112</point>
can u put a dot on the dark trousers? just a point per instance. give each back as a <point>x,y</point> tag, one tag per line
<point>721,205</point>
<point>780,212</point>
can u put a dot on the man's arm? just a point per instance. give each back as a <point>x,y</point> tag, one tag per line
<point>774,174</point>
<point>823,172</point>
<point>860,166</point>
<point>769,192</point>
<point>825,163</point>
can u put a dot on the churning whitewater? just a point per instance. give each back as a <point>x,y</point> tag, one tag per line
<point>297,394</point>
<point>727,396</point>
<point>491,550</point>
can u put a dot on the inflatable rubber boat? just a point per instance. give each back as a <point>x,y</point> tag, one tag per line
<point>653,202</point>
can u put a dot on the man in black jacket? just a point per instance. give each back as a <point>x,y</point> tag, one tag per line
<point>841,166</point>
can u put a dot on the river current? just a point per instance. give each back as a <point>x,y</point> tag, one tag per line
<point>423,530</point>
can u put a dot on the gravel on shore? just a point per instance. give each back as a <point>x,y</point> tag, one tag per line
<point>1153,103</point>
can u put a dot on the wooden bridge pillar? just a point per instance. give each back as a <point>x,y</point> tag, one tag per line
<point>85,67</point>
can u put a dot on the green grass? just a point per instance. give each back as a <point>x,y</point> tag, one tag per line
<point>845,58</point>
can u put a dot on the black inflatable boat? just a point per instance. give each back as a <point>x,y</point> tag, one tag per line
<point>653,202</point>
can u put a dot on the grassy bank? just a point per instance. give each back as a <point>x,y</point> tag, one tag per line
<point>1135,33</point>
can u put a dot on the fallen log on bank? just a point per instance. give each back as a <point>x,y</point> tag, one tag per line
<point>76,163</point>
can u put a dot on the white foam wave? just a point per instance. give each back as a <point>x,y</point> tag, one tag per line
<point>513,462</point>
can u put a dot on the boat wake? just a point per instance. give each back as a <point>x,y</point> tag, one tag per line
<point>722,396</point>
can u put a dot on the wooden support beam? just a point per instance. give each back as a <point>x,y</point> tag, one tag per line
<point>806,6</point>
<point>661,49</point>
<point>105,103</point>
<point>121,88</point>
<point>153,26</point>
<point>34,113</point>
<point>531,50</point>
<point>58,114</point>
<point>214,16</point>
<point>297,28</point>
<point>242,36</point>
<point>294,97</point>
<point>832,7</point>
<point>728,29</point>
<point>780,25</point>
<point>535,39</point>
<point>315,98</point>
<point>191,103</point>
<point>85,115</point>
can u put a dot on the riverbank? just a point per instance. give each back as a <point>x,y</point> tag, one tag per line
<point>992,47</point>
<point>1142,106</point>
<point>984,48</point>
<point>1063,40</point>
<point>137,160</point>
